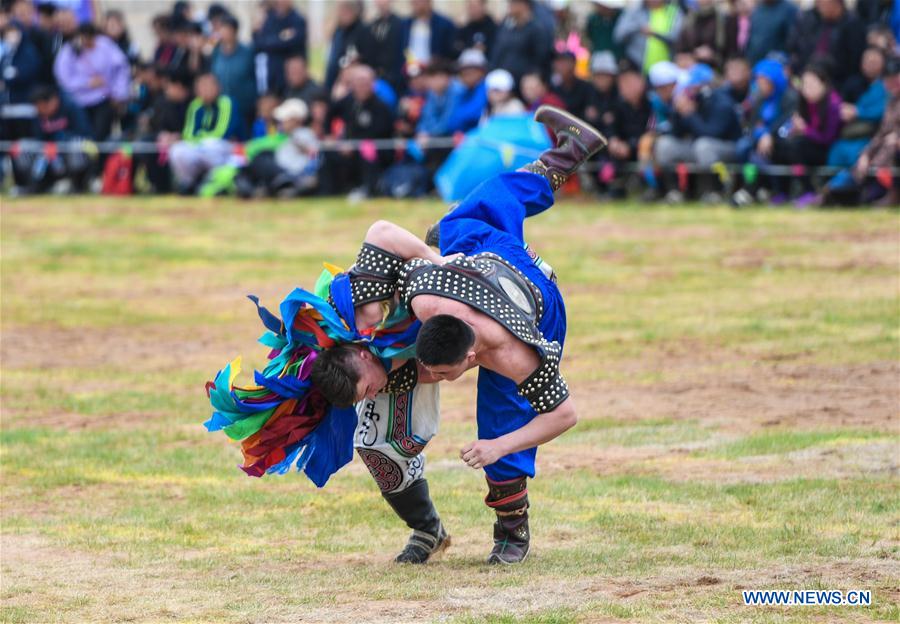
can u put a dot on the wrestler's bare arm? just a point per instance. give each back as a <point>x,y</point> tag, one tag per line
<point>510,357</point>
<point>401,242</point>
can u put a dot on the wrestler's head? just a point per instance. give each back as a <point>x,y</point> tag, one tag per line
<point>347,374</point>
<point>445,346</point>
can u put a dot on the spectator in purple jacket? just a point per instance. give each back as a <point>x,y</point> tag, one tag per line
<point>95,73</point>
<point>813,128</point>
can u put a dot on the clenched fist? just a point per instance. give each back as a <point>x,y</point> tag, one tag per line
<point>481,453</point>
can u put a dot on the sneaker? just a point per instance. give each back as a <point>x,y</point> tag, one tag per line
<point>711,198</point>
<point>742,199</point>
<point>357,195</point>
<point>674,197</point>
<point>62,187</point>
<point>808,200</point>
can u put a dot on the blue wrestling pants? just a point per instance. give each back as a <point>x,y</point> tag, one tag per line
<point>491,219</point>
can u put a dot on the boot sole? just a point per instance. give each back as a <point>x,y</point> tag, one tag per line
<point>573,119</point>
<point>438,552</point>
<point>492,561</point>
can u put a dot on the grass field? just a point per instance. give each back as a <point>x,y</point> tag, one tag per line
<point>736,375</point>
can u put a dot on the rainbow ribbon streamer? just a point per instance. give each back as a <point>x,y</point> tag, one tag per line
<point>284,420</point>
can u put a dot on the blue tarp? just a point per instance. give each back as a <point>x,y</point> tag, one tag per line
<point>503,143</point>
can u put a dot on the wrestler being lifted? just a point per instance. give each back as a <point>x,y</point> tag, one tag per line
<point>485,302</point>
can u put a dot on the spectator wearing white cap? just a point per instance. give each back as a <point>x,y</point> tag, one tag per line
<point>663,78</point>
<point>501,99</point>
<point>291,169</point>
<point>472,98</point>
<point>602,99</point>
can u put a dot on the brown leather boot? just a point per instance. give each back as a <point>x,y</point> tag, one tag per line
<point>509,499</point>
<point>576,142</point>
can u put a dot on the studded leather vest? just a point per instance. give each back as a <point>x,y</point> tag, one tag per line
<point>498,289</point>
<point>373,277</point>
<point>402,379</point>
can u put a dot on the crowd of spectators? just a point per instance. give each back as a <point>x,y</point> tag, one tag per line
<point>709,98</point>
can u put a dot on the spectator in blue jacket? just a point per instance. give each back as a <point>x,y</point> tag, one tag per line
<point>282,35</point>
<point>472,98</point>
<point>861,117</point>
<point>443,94</point>
<point>770,25</point>
<point>210,125</point>
<point>705,129</point>
<point>772,103</point>
<point>233,65</point>
<point>428,34</point>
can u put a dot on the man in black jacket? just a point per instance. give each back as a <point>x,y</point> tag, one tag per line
<point>386,36</point>
<point>831,31</point>
<point>479,30</point>
<point>362,115</point>
<point>281,35</point>
<point>351,41</point>
<point>523,45</point>
<point>575,92</point>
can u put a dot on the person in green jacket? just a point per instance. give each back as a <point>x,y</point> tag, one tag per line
<point>211,123</point>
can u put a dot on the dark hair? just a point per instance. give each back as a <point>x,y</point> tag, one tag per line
<point>628,67</point>
<point>536,74</point>
<point>181,77</point>
<point>87,30</point>
<point>230,20</point>
<point>440,66</point>
<point>335,374</point>
<point>48,9</point>
<point>444,339</point>
<point>206,74</point>
<point>892,66</point>
<point>43,93</point>
<point>215,10</point>
<point>738,59</point>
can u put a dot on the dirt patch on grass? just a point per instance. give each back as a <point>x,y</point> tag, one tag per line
<point>769,396</point>
<point>83,586</point>
<point>748,399</point>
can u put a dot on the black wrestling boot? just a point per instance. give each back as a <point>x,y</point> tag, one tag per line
<point>576,142</point>
<point>509,499</point>
<point>414,507</point>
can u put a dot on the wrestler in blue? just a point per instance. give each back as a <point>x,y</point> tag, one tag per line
<point>485,302</point>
